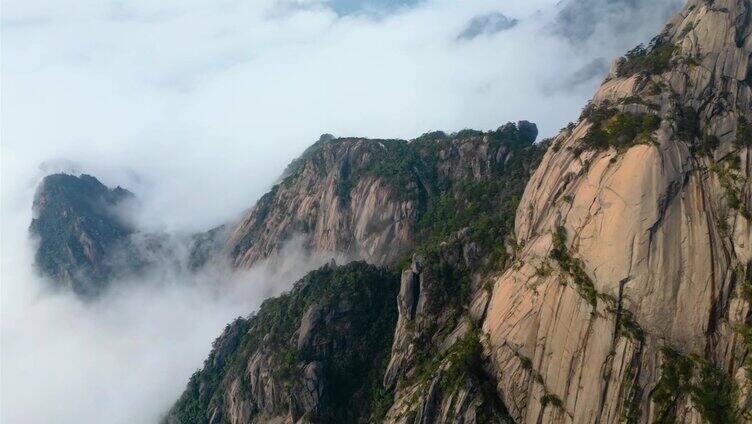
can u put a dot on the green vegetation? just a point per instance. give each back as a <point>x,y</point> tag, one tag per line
<point>411,168</point>
<point>465,359</point>
<point>743,133</point>
<point>633,393</point>
<point>731,180</point>
<point>353,347</point>
<point>553,400</point>
<point>573,267</point>
<point>688,129</point>
<point>613,129</point>
<point>629,327</point>
<point>459,209</point>
<point>745,330</point>
<point>481,211</point>
<point>675,382</point>
<point>401,166</point>
<point>709,388</point>
<point>77,230</point>
<point>706,145</point>
<point>461,367</point>
<point>381,400</point>
<point>688,124</point>
<point>651,61</point>
<point>486,208</point>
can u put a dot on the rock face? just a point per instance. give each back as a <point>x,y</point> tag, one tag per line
<point>364,198</point>
<point>84,244</point>
<point>314,355</point>
<point>77,229</point>
<point>438,371</point>
<point>462,193</point>
<point>630,298</point>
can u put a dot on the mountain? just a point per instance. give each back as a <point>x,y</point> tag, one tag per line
<point>352,197</point>
<point>308,354</point>
<point>368,198</point>
<point>441,205</point>
<point>84,242</point>
<point>630,298</point>
<point>618,289</point>
<point>77,228</point>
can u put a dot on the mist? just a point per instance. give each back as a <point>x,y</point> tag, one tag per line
<point>124,357</point>
<point>196,106</point>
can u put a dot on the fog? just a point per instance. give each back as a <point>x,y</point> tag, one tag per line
<point>124,357</point>
<point>196,106</point>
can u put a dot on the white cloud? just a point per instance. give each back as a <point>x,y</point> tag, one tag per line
<point>207,101</point>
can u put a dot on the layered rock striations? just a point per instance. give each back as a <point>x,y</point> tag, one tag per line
<point>630,298</point>
<point>463,215</point>
<point>364,198</point>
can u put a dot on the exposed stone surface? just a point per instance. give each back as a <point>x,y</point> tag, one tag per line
<point>656,238</point>
<point>437,369</point>
<point>85,243</point>
<point>313,355</point>
<point>77,228</point>
<point>464,190</point>
<point>364,197</point>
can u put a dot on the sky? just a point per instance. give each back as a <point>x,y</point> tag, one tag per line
<point>196,106</point>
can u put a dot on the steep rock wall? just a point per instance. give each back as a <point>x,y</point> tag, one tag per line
<point>364,198</point>
<point>637,241</point>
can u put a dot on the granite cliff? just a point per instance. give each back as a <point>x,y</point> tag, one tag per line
<point>629,299</point>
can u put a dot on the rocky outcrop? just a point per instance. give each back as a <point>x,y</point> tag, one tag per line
<point>77,228</point>
<point>364,198</point>
<point>464,191</point>
<point>308,356</point>
<point>84,242</point>
<point>438,367</point>
<point>627,300</point>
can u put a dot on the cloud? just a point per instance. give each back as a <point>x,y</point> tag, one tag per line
<point>489,23</point>
<point>126,357</point>
<point>168,90</point>
<point>590,71</point>
<point>197,106</point>
<point>372,7</point>
<point>581,20</point>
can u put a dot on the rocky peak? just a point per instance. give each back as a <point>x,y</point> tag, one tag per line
<point>307,356</point>
<point>84,244</point>
<point>77,227</point>
<point>636,232</point>
<point>364,198</point>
